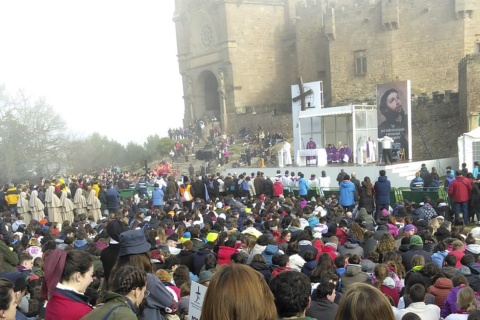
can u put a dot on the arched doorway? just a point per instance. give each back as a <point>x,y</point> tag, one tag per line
<point>211,98</point>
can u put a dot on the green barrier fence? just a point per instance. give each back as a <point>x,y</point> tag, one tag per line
<point>418,195</point>
<point>127,193</point>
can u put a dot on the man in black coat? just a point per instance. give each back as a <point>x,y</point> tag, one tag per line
<point>416,248</point>
<point>198,188</point>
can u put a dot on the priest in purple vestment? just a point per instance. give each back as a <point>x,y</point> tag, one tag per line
<point>311,159</point>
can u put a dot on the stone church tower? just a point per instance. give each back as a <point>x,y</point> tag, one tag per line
<point>235,57</point>
<point>238,58</point>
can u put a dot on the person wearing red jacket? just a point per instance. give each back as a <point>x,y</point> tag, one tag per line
<point>459,191</point>
<point>67,276</point>
<point>277,188</point>
<point>225,251</point>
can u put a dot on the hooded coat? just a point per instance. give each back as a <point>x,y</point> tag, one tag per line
<point>353,274</point>
<point>351,248</point>
<point>263,269</point>
<point>364,216</point>
<point>224,254</point>
<point>440,289</point>
<point>347,193</point>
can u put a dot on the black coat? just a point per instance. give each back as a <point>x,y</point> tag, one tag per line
<point>186,259</point>
<point>322,309</point>
<point>108,256</point>
<point>198,188</point>
<point>366,201</point>
<point>414,250</point>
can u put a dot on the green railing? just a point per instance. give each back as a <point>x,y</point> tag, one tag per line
<point>127,193</point>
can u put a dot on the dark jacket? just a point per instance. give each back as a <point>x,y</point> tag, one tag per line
<point>186,258</point>
<point>368,246</point>
<point>308,267</point>
<point>198,189</point>
<point>322,309</point>
<point>199,260</point>
<point>108,256</point>
<point>382,190</point>
<point>268,187</point>
<point>113,199</point>
<point>366,201</point>
<point>263,269</point>
<point>102,196</point>
<point>414,250</point>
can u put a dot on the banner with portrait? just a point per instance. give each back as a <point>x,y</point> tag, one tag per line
<point>394,114</point>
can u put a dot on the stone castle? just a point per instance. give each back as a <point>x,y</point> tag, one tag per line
<point>238,59</point>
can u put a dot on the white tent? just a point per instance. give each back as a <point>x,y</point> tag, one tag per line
<point>469,147</point>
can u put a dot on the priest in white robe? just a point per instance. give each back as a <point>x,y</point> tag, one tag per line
<point>371,150</point>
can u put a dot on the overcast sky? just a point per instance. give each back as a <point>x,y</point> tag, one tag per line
<point>106,66</point>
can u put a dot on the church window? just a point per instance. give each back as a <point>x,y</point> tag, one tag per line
<point>360,62</point>
<point>207,36</point>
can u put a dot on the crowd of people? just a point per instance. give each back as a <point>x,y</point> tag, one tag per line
<point>71,248</point>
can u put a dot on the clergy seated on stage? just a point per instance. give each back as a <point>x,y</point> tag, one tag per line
<point>344,154</point>
<point>331,153</point>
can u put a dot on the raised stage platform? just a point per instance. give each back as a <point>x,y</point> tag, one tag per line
<point>400,173</point>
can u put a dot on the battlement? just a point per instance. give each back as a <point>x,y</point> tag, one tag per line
<point>436,97</point>
<point>469,57</point>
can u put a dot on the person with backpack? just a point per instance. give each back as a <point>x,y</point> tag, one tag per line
<point>127,290</point>
<point>448,179</point>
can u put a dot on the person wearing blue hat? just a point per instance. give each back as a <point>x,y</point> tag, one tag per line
<point>134,251</point>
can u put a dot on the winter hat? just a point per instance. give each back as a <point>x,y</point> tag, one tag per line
<point>409,227</point>
<point>385,212</point>
<point>416,241</point>
<point>205,276</point>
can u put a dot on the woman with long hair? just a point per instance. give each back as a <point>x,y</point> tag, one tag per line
<point>466,302</point>
<point>128,287</point>
<point>67,276</point>
<point>249,297</point>
<point>386,244</point>
<point>324,264</point>
<point>386,281</point>
<point>363,301</point>
<point>134,250</point>
<point>366,195</point>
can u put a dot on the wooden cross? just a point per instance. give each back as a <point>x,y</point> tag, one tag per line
<point>302,94</point>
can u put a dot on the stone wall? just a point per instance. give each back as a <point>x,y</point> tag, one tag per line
<point>436,119</point>
<point>422,41</point>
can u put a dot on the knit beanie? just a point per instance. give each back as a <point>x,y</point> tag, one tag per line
<point>416,241</point>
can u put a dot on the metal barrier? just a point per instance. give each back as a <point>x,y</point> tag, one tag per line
<point>418,195</point>
<point>127,193</point>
